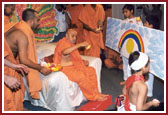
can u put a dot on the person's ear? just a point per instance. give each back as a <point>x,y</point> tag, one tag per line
<point>30,22</point>
<point>143,69</point>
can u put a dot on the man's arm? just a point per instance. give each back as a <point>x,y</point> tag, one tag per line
<point>19,67</point>
<point>124,90</point>
<point>69,50</point>
<point>89,28</point>
<point>68,19</point>
<point>22,43</point>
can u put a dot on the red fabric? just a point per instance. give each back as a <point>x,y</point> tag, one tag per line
<point>119,100</point>
<point>97,105</point>
<point>129,83</point>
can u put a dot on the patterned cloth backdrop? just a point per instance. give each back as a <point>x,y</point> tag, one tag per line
<point>128,37</point>
<point>47,15</point>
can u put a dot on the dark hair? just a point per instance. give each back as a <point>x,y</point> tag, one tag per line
<point>153,20</point>
<point>28,14</point>
<point>129,7</point>
<point>133,57</point>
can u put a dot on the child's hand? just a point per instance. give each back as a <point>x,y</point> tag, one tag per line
<point>155,102</point>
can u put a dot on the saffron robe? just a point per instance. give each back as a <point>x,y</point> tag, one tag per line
<point>90,17</point>
<point>13,100</point>
<point>33,77</point>
<point>84,76</point>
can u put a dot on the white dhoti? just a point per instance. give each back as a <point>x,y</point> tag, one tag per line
<point>58,92</point>
<point>121,108</point>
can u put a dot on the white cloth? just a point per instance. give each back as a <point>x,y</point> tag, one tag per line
<point>126,70</point>
<point>58,93</point>
<point>62,25</point>
<point>132,107</point>
<point>127,73</point>
<point>140,62</point>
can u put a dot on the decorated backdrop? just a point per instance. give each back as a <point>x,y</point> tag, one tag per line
<point>128,37</point>
<point>47,15</point>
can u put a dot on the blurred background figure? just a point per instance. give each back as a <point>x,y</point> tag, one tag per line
<point>63,18</point>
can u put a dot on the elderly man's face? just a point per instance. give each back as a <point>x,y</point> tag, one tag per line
<point>71,35</point>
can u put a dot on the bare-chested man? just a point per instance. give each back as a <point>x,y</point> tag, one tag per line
<point>21,41</point>
<point>135,88</point>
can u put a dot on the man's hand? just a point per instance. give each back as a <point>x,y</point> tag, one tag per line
<point>45,71</point>
<point>22,68</point>
<point>97,30</point>
<point>83,44</point>
<point>12,82</point>
<point>19,67</point>
<point>155,102</point>
<point>99,24</point>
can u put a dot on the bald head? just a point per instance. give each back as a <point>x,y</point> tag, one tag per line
<point>71,31</point>
<point>71,35</point>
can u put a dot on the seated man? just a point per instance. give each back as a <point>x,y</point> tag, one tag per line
<point>135,88</point>
<point>66,54</point>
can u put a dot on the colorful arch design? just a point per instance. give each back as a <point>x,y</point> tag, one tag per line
<point>48,22</point>
<point>133,35</point>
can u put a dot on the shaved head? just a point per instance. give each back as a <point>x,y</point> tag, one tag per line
<point>28,14</point>
<point>71,35</point>
<point>71,31</point>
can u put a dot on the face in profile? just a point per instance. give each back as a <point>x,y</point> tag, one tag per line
<point>36,22</point>
<point>148,25</point>
<point>9,9</point>
<point>127,13</point>
<point>71,35</point>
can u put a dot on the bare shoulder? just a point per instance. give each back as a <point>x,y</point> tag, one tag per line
<point>141,85</point>
<point>19,34</point>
